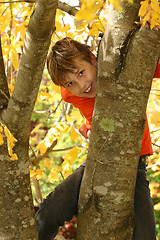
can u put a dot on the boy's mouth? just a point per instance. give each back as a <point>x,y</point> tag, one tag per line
<point>88,89</point>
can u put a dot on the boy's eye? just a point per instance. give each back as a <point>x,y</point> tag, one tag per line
<point>81,73</point>
<point>70,84</point>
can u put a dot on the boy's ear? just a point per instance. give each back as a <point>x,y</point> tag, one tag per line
<point>93,59</point>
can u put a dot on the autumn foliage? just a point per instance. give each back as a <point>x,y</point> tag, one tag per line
<point>56,146</point>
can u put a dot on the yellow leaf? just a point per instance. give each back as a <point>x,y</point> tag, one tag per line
<point>36,128</point>
<point>83,159</point>
<point>143,8</point>
<point>146,18</point>
<point>56,88</point>
<point>155,5</point>
<point>73,134</point>
<point>153,23</point>
<point>42,147</point>
<point>44,96</point>
<point>77,115</point>
<point>116,5</point>
<point>66,169</point>
<point>32,173</point>
<point>58,26</point>
<point>11,87</point>
<point>88,10</point>
<point>1,128</point>
<point>39,174</point>
<point>70,34</point>
<point>1,139</point>
<point>54,174</point>
<point>47,163</point>
<point>11,140</point>
<point>72,155</point>
<point>157,208</point>
<point>14,157</point>
<point>155,20</point>
<point>66,28</point>
<point>94,30</point>
<point>15,59</point>
<point>62,134</point>
<point>155,118</point>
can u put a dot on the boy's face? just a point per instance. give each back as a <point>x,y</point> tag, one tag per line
<point>82,82</point>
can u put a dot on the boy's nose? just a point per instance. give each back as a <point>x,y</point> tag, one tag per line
<point>82,85</point>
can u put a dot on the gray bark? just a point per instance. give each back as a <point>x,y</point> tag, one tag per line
<point>16,204</point>
<point>126,64</point>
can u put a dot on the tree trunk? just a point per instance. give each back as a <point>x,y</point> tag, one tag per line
<point>126,64</point>
<point>17,212</point>
<point>16,204</point>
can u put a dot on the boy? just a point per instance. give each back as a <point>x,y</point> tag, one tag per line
<point>72,66</point>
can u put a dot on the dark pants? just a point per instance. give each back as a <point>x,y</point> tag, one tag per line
<point>144,212</point>
<point>61,205</point>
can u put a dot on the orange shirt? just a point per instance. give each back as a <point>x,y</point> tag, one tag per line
<point>86,106</point>
<point>157,73</point>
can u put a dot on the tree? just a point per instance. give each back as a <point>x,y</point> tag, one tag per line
<point>16,111</point>
<point>127,61</point>
<point>16,198</point>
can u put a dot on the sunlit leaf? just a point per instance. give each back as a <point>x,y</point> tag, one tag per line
<point>72,155</point>
<point>48,163</point>
<point>54,174</point>
<point>15,58</point>
<point>1,139</point>
<point>73,134</point>
<point>66,169</point>
<point>36,128</point>
<point>11,140</point>
<point>144,6</point>
<point>55,88</point>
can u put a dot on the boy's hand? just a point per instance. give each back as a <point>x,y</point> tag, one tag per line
<point>84,130</point>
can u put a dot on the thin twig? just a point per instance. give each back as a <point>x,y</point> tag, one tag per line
<point>156,145</point>
<point>153,165</point>
<point>34,160</point>
<point>66,149</point>
<point>4,94</point>
<point>156,130</point>
<point>37,190</point>
<point>36,183</point>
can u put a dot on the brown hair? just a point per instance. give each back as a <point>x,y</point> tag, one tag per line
<point>61,58</point>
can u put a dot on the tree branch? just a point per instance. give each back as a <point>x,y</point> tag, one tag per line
<point>66,8</point>
<point>62,6</point>
<point>39,197</point>
<point>4,92</point>
<point>34,160</point>
<point>126,66</point>
<point>37,41</point>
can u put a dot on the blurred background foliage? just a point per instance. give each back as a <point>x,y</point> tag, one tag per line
<point>56,146</point>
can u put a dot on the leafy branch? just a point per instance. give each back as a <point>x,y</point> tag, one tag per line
<point>62,6</point>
